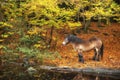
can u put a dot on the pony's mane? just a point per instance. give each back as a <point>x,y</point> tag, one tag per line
<point>75,39</point>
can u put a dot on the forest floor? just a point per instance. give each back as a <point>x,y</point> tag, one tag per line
<point>16,66</point>
<point>110,36</point>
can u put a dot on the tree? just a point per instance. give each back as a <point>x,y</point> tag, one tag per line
<point>45,15</point>
<point>85,13</point>
<point>102,11</point>
<point>116,11</point>
<point>7,14</point>
<point>97,10</point>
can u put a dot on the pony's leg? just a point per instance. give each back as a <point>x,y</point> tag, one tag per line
<point>95,53</point>
<point>97,58</point>
<point>80,57</point>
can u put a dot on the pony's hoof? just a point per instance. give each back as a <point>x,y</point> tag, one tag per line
<point>82,61</point>
<point>94,59</point>
<point>97,60</point>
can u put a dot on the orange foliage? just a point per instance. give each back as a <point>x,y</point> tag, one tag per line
<point>111,39</point>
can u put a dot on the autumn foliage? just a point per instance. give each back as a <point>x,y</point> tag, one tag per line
<point>110,37</point>
<point>31,33</point>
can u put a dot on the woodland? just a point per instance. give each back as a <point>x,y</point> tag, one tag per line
<point>32,31</point>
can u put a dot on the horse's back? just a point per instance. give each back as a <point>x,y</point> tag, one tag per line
<point>96,41</point>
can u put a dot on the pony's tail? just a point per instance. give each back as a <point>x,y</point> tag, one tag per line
<point>102,51</point>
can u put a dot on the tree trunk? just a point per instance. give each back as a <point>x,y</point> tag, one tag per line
<point>84,21</point>
<point>1,15</point>
<point>108,21</point>
<point>83,73</point>
<point>99,22</point>
<point>87,24</point>
<point>51,35</point>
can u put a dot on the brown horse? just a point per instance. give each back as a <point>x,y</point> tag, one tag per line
<point>81,46</point>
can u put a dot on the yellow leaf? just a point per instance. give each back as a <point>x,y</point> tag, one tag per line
<point>1,40</point>
<point>1,46</point>
<point>37,45</point>
<point>5,36</point>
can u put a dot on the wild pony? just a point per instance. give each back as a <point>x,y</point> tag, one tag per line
<point>81,46</point>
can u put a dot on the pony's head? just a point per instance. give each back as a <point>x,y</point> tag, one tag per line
<point>68,39</point>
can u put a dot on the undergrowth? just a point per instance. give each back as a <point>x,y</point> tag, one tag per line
<point>20,53</point>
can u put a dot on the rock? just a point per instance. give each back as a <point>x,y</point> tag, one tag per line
<point>31,70</point>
